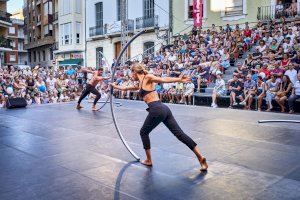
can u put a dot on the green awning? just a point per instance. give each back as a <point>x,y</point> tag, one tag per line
<point>70,62</point>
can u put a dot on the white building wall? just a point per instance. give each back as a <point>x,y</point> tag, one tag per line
<point>72,18</point>
<point>135,10</point>
<point>108,45</point>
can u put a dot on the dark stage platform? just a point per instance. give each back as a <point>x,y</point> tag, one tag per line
<point>57,152</point>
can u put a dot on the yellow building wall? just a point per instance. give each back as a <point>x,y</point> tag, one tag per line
<point>213,14</point>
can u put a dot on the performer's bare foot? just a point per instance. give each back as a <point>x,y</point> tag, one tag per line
<point>94,108</point>
<point>203,163</point>
<point>147,163</point>
<point>78,106</point>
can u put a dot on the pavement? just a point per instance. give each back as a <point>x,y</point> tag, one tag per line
<point>57,152</point>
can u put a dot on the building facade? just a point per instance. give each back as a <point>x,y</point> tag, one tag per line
<point>5,23</point>
<point>70,35</point>
<point>39,16</point>
<point>103,28</point>
<point>18,55</point>
<point>220,13</point>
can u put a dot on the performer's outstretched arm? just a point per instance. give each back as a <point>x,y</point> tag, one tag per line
<point>124,88</point>
<point>156,79</point>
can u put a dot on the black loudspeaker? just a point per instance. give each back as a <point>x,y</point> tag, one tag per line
<point>18,102</point>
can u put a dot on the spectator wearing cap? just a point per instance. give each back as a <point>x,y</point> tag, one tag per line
<point>295,94</point>
<point>235,88</point>
<point>219,90</point>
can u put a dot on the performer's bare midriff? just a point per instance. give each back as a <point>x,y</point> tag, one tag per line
<point>158,112</point>
<point>91,87</point>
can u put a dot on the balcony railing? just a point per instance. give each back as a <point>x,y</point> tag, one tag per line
<point>113,29</point>
<point>5,43</point>
<point>287,10</point>
<point>233,11</point>
<point>144,22</point>
<point>97,31</point>
<point>4,16</point>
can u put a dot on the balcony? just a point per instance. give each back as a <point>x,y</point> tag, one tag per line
<point>233,11</point>
<point>113,29</point>
<point>5,44</point>
<point>145,22</point>
<point>5,19</point>
<point>287,10</point>
<point>49,40</point>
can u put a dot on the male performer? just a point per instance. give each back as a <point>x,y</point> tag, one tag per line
<point>91,87</point>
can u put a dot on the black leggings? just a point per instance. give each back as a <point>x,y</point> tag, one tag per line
<point>90,89</point>
<point>158,112</point>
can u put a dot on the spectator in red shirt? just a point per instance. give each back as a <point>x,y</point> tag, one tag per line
<point>265,70</point>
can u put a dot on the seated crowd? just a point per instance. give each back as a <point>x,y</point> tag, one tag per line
<point>269,73</point>
<point>40,85</point>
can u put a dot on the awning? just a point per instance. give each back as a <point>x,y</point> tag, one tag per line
<point>70,62</point>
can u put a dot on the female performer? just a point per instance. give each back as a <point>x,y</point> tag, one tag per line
<point>91,87</point>
<point>158,112</point>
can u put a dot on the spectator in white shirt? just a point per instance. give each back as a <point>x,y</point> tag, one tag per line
<point>188,92</point>
<point>291,73</point>
<point>295,94</point>
<point>219,90</point>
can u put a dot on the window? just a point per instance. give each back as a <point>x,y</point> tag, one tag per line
<point>149,48</point>
<point>39,56</point>
<point>12,30</point>
<point>78,6</point>
<point>118,10</point>
<point>29,56</point>
<point>12,58</point>
<point>99,14</point>
<point>51,54</point>
<point>78,31</point>
<point>148,8</point>
<point>44,55</point>
<point>34,56</point>
<point>65,6</point>
<point>99,57</point>
<point>48,8</point>
<point>233,7</point>
<point>66,34</point>
<point>13,43</point>
<point>48,30</point>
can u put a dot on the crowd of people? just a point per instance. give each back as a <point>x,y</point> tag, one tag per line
<point>268,74</point>
<point>40,85</point>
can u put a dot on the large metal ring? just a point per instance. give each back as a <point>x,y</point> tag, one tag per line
<point>111,96</point>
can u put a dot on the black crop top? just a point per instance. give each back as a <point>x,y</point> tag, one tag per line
<point>143,92</point>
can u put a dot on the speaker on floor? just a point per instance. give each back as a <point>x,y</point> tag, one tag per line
<point>18,102</point>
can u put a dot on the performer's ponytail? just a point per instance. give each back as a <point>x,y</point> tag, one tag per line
<point>138,68</point>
